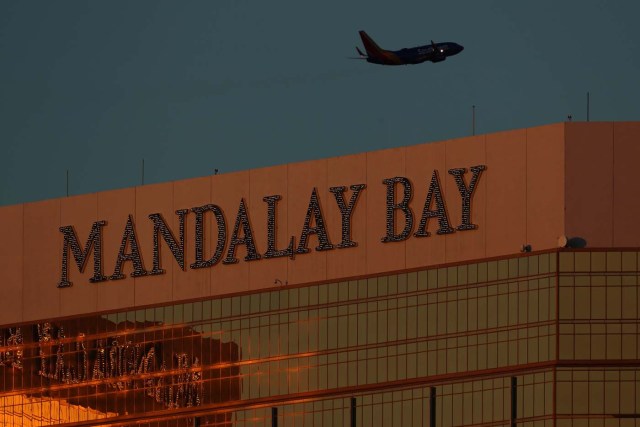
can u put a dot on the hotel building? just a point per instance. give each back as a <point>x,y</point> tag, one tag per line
<point>483,281</point>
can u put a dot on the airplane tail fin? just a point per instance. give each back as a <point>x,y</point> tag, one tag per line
<point>370,46</point>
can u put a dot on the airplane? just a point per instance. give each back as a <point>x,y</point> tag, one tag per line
<point>435,52</point>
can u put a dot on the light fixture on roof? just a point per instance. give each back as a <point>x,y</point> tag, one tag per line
<point>572,242</point>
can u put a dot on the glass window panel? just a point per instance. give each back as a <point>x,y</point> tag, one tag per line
<point>293,299</point>
<point>245,304</point>
<point>313,295</point>
<point>614,261</point>
<point>352,330</point>
<point>323,294</point>
<point>543,263</point>
<point>362,289</point>
<point>513,268</point>
<point>566,262</point>
<point>187,312</point>
<point>432,282</point>
<point>533,264</point>
<point>629,261</point>
<point>503,269</point>
<point>598,261</point>
<point>512,297</point>
<point>452,276</point>
<point>383,286</point>
<point>206,310</point>
<point>582,261</point>
<point>423,282</point>
<point>442,277</point>
<point>402,283</point>
<point>343,291</point>
<point>472,273</point>
<point>412,282</point>
<point>331,292</point>
<point>598,300</point>
<point>523,266</point>
<point>303,297</point>
<point>254,304</point>
<point>353,289</point>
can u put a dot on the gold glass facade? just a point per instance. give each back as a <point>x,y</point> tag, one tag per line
<point>598,378</point>
<point>564,324</point>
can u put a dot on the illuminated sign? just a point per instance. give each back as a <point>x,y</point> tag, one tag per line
<point>398,209</point>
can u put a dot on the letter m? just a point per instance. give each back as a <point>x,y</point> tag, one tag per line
<point>82,255</point>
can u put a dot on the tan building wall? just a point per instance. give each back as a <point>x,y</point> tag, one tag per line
<point>537,186</point>
<point>601,183</point>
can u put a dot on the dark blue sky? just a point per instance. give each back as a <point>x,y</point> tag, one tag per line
<point>94,87</point>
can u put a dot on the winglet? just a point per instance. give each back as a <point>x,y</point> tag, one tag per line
<point>360,52</point>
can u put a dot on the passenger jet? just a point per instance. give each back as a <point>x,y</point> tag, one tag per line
<point>435,52</point>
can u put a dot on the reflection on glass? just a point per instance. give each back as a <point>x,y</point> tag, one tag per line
<point>91,368</point>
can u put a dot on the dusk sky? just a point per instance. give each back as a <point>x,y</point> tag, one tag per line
<point>95,87</point>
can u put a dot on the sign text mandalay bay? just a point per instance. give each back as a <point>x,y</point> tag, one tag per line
<point>398,208</point>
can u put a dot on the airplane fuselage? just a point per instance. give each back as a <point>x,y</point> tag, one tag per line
<point>434,52</point>
<point>416,55</point>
